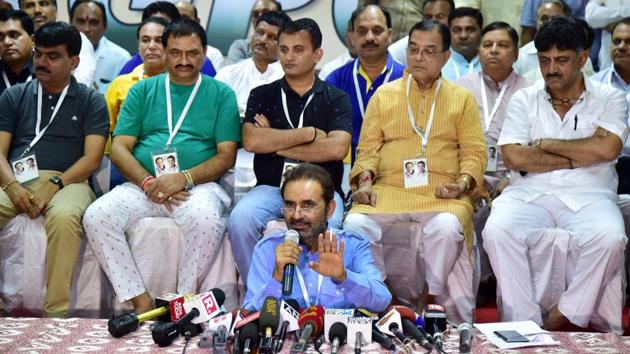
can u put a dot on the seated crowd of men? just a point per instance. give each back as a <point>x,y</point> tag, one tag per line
<point>442,132</point>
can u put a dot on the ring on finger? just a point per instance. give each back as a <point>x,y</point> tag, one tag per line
<point>169,199</point>
<point>160,195</point>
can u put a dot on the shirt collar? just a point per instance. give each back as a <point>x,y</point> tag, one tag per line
<point>460,59</point>
<point>618,77</point>
<point>72,90</point>
<point>27,70</point>
<point>318,87</point>
<point>491,83</point>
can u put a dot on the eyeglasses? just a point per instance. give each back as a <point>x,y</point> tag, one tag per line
<point>428,53</point>
<point>307,207</point>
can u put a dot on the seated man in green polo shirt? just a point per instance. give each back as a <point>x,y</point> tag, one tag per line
<point>181,116</point>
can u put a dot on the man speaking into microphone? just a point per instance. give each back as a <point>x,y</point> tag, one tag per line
<point>333,268</point>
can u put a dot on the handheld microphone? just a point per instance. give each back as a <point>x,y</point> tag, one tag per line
<point>465,337</point>
<point>435,323</point>
<point>337,334</point>
<point>129,322</point>
<point>292,309</point>
<point>311,321</point>
<point>268,322</point>
<point>289,269</point>
<point>249,336</point>
<point>408,319</point>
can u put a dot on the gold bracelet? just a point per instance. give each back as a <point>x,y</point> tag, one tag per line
<point>466,180</point>
<point>6,186</point>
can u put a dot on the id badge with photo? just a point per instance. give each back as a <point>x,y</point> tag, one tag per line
<point>25,169</point>
<point>492,158</point>
<point>165,162</point>
<point>286,168</point>
<point>415,172</point>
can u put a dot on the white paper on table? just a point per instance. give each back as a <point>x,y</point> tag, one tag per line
<point>536,335</point>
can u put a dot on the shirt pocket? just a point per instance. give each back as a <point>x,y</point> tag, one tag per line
<point>583,125</point>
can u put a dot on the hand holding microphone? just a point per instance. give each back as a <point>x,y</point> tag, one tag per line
<point>287,256</point>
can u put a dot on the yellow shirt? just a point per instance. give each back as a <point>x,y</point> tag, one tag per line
<point>456,145</point>
<point>116,94</point>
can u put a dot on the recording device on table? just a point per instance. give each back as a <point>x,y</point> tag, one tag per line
<point>168,307</point>
<point>199,309</point>
<point>511,336</point>
<point>289,269</point>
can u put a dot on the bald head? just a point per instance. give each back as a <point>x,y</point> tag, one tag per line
<point>187,10</point>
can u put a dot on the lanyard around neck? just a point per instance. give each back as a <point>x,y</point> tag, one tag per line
<point>182,116</point>
<point>39,133</point>
<point>286,109</point>
<point>7,83</point>
<point>307,300</point>
<point>355,73</point>
<point>412,119</point>
<point>489,116</point>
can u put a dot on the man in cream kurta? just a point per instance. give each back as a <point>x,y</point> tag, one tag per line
<point>453,150</point>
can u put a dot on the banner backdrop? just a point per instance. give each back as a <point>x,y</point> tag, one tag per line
<point>226,20</point>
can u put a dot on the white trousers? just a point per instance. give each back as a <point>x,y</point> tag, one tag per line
<point>412,248</point>
<point>595,255</point>
<point>199,219</point>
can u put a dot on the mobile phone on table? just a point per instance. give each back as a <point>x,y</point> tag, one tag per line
<point>511,336</point>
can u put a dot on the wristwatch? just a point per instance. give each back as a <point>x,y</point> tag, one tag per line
<point>536,143</point>
<point>189,181</point>
<point>56,180</point>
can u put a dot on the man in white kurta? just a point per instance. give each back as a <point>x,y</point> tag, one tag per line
<point>563,136</point>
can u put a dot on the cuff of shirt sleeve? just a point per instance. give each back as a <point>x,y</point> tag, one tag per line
<point>614,129</point>
<point>350,283</point>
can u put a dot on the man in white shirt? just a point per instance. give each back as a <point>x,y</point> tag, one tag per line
<point>563,135</point>
<point>604,14</point>
<point>341,60</point>
<point>90,18</point>
<point>436,10</point>
<point>188,10</point>
<point>527,63</point>
<point>263,66</point>
<point>618,76</point>
<point>45,11</point>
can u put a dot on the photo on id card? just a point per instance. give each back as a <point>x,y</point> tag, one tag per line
<point>286,168</point>
<point>415,173</point>
<point>25,169</point>
<point>492,159</point>
<point>165,162</point>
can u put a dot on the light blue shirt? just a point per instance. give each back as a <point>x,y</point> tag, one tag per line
<point>110,58</point>
<point>363,287</point>
<point>458,66</point>
<point>612,78</point>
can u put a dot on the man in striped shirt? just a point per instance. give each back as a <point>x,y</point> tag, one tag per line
<point>422,118</point>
